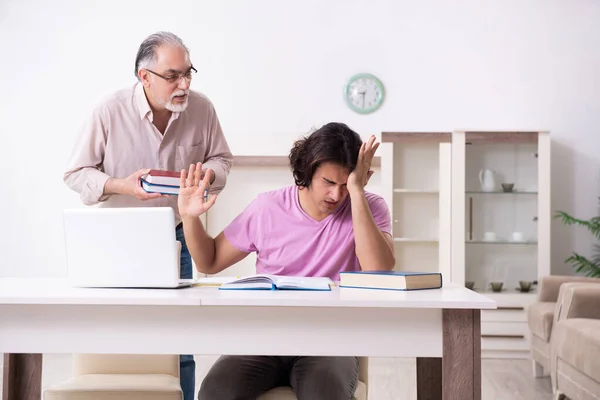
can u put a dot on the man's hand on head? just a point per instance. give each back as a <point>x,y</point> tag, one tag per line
<point>359,178</point>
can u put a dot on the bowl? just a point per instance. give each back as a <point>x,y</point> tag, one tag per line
<point>525,286</point>
<point>496,286</point>
<point>507,187</point>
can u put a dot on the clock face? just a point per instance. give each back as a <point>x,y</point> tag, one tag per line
<point>364,93</point>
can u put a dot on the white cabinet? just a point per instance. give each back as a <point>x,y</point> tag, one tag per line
<point>452,214</point>
<point>416,184</point>
<point>500,235</point>
<point>504,331</point>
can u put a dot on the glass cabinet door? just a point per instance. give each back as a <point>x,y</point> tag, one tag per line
<point>501,193</point>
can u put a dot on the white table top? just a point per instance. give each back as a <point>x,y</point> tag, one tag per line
<point>51,291</point>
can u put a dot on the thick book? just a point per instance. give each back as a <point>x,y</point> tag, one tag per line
<point>391,280</point>
<point>155,188</point>
<point>163,178</point>
<point>278,282</point>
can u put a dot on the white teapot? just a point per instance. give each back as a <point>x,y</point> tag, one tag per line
<point>487,179</point>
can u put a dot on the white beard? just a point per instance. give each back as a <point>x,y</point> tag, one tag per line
<point>177,107</point>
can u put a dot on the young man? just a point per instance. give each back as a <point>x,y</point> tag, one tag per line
<point>158,123</point>
<point>325,224</point>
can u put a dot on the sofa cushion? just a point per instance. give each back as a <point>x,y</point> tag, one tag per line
<point>577,342</point>
<point>539,317</point>
<point>117,387</point>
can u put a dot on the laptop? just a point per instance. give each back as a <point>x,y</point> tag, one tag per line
<point>122,248</point>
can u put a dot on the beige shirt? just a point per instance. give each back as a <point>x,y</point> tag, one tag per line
<point>120,139</point>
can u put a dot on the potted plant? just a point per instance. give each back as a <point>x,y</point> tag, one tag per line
<point>589,267</point>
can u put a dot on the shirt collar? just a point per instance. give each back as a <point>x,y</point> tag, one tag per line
<point>144,106</point>
<point>142,101</point>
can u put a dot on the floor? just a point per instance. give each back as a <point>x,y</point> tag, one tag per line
<point>389,378</point>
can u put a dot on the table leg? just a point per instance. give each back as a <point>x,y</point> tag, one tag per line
<point>22,378</point>
<point>461,362</point>
<point>429,378</point>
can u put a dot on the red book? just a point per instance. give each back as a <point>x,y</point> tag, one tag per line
<point>160,177</point>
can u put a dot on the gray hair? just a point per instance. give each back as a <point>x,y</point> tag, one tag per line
<point>146,54</point>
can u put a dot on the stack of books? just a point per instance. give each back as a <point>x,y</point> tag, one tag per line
<point>158,181</point>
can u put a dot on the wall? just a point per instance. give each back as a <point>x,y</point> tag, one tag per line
<point>276,69</point>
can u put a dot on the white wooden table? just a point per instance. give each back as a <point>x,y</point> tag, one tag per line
<point>440,327</point>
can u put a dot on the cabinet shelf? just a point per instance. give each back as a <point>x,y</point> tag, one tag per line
<point>415,240</point>
<point>425,191</point>
<point>506,292</point>
<point>496,192</point>
<point>503,242</point>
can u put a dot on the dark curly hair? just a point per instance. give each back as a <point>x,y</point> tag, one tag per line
<point>333,142</point>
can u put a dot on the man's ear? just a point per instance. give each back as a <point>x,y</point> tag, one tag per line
<point>144,77</point>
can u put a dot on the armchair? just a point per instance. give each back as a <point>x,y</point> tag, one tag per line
<point>575,345</point>
<point>540,317</point>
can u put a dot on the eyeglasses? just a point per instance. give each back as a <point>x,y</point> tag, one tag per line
<point>175,77</point>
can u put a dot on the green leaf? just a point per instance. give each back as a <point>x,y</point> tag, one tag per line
<point>593,225</point>
<point>583,265</point>
<point>589,267</point>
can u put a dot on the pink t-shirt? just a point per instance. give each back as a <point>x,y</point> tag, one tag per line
<point>288,241</point>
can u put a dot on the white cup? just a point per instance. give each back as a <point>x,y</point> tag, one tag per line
<point>517,236</point>
<point>489,236</point>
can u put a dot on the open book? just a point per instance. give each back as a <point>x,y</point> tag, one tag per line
<point>274,282</point>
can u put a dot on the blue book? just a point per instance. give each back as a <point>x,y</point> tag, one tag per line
<point>156,188</point>
<point>163,189</point>
<point>278,282</point>
<point>391,280</point>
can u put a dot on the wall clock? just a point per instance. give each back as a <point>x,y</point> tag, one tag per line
<point>364,93</point>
